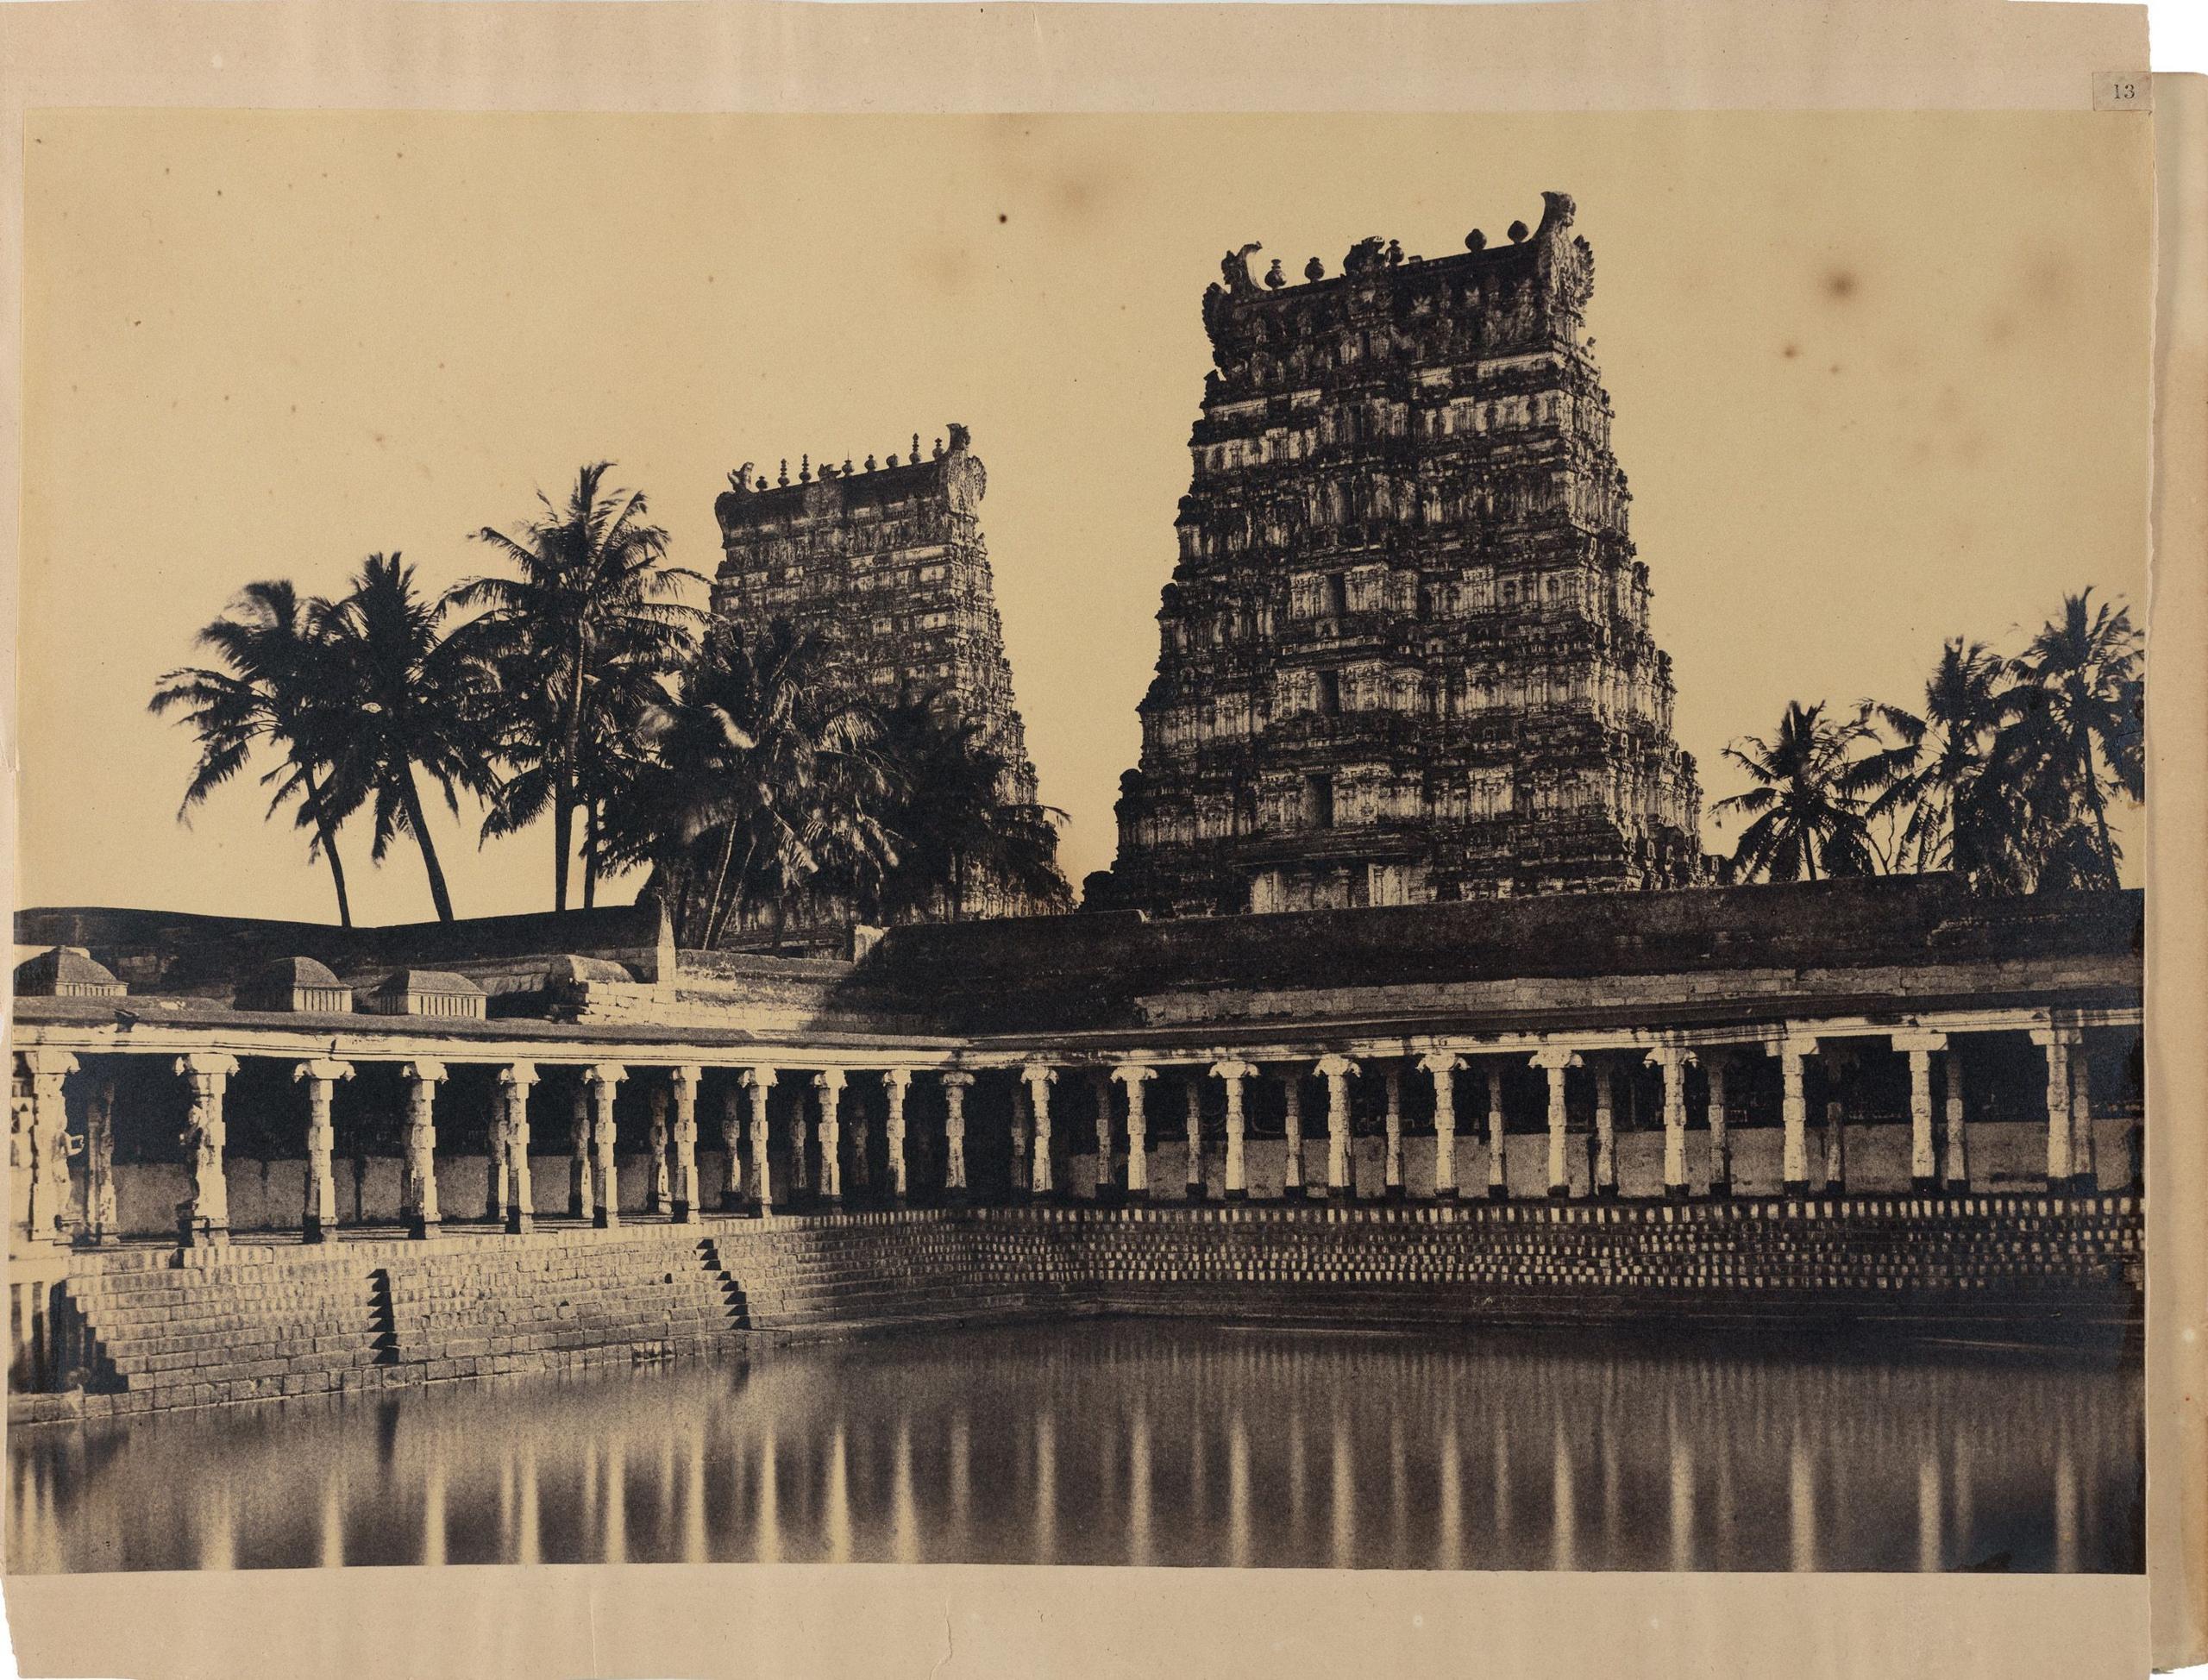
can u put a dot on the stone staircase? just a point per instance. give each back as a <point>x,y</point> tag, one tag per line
<point>817,1278</point>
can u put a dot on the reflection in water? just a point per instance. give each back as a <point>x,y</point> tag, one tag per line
<point>1144,1442</point>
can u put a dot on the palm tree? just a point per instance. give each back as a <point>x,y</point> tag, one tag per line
<point>955,828</point>
<point>401,697</point>
<point>592,595</point>
<point>269,694</point>
<point>1811,801</point>
<point>1933,779</point>
<point>2076,737</point>
<point>760,781</point>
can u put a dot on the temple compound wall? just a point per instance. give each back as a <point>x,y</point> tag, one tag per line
<point>1405,654</point>
<point>1873,1099</point>
<point>888,563</point>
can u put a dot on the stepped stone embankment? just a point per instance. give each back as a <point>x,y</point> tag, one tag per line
<point>146,1331</point>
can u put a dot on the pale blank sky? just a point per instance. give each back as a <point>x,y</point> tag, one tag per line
<point>1880,379</point>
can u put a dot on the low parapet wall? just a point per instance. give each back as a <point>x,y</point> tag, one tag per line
<point>147,1329</point>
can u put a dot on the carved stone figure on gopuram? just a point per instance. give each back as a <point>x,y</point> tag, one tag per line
<point>1405,653</point>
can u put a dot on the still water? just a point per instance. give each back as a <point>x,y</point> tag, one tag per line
<point>1142,1443</point>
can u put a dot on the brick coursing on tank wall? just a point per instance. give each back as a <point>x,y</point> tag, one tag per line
<point>249,1323</point>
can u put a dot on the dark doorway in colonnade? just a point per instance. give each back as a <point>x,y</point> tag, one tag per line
<point>464,1111</point>
<point>147,1106</point>
<point>552,1102</point>
<point>991,1107</point>
<point>264,1145</point>
<point>368,1118</point>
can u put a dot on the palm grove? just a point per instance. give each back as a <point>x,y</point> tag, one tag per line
<point>731,763</point>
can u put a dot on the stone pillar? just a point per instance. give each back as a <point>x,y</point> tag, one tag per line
<point>1107,1174</point>
<point>1956,1162</point>
<point>682,1177</point>
<point>659,1193</point>
<point>1835,1146</point>
<point>801,1138</point>
<point>1721,1142</point>
<point>521,1199</point>
<point>2056,1043</point>
<point>956,1084</point>
<point>732,1142</point>
<point>1556,1063</point>
<point>757,1082</point>
<point>1603,1177</point>
<point>1291,1187</point>
<point>1793,1113</point>
<point>1391,1166</point>
<point>1040,1180</point>
<point>496,1161</point>
<point>1442,1066</point>
<point>204,1215</point>
<point>100,1219</point>
<point>894,1083</point>
<point>581,1204</point>
<point>1230,1074</point>
<point>418,1183</point>
<point>1923,1157</point>
<point>2085,1178</point>
<point>48,1220</point>
<point>1674,1060</point>
<point>1134,1076</point>
<point>604,1079</point>
<point>1498,1176</point>
<point>319,1219</point>
<point>1193,1127</point>
<point>830,1086</point>
<point>1341,1183</point>
<point>1023,1129</point>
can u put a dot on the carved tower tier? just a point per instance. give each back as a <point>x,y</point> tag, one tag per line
<point>888,563</point>
<point>1405,653</point>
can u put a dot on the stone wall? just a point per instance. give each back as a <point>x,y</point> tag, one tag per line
<point>155,1329</point>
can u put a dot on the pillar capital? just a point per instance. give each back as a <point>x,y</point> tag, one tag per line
<point>323,1070</point>
<point>202,1064</point>
<point>1440,1062</point>
<point>1334,1067</point>
<point>45,1062</point>
<point>605,1076</point>
<point>1231,1071</point>
<point>957,1079</point>
<point>686,1077</point>
<point>758,1079</point>
<point>829,1079</point>
<point>1668,1056</point>
<point>2068,1034</point>
<point>1556,1058</point>
<point>516,1077</point>
<point>896,1078</point>
<point>425,1070</point>
<point>1038,1073</point>
<point>1792,1044</point>
<point>1133,1072</point>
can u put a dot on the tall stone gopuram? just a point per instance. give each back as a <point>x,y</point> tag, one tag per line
<point>888,563</point>
<point>1405,654</point>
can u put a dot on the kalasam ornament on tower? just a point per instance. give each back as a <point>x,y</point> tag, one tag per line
<point>1405,653</point>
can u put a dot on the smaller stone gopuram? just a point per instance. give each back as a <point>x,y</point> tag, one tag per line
<point>888,561</point>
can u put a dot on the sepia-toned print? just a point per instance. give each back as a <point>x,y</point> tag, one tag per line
<point>1439,922</point>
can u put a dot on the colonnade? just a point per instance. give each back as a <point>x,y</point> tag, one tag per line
<point>1466,1075</point>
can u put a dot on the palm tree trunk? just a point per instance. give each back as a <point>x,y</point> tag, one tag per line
<point>590,854</point>
<point>328,838</point>
<point>415,820</point>
<point>563,839</point>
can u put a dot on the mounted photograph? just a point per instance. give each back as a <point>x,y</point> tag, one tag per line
<point>1386,843</point>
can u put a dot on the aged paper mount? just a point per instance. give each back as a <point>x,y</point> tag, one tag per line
<point>684,1619</point>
